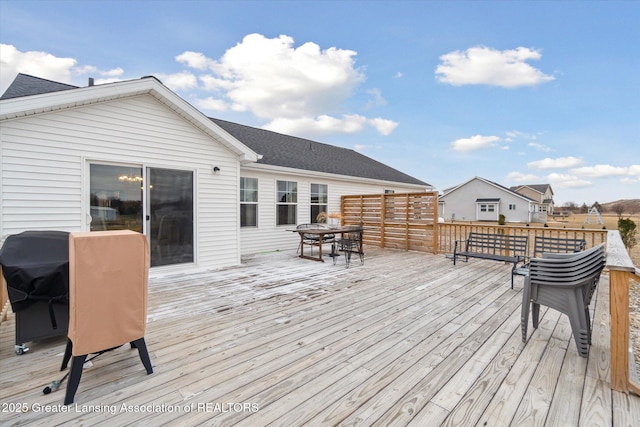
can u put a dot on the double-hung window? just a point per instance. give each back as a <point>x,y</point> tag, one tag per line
<point>287,203</point>
<point>248,202</point>
<point>318,200</point>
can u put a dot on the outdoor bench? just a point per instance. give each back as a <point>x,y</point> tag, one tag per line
<point>495,247</point>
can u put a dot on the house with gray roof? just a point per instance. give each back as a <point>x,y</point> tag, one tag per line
<point>542,194</point>
<point>134,155</point>
<point>480,199</point>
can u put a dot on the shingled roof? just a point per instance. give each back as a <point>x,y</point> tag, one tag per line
<point>276,149</point>
<point>298,153</point>
<point>540,188</point>
<point>25,85</point>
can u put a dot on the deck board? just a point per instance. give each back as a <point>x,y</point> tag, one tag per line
<point>405,339</point>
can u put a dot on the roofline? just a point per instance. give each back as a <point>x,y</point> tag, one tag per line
<point>530,186</point>
<point>13,108</point>
<point>500,187</point>
<point>262,167</point>
<point>527,186</point>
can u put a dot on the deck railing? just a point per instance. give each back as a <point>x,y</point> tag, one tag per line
<point>448,233</point>
<point>621,272</point>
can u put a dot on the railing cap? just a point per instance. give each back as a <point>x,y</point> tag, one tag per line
<point>617,256</point>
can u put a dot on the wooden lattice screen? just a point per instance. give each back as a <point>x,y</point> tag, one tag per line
<point>406,221</point>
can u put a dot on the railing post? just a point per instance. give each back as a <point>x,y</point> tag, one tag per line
<point>619,299</point>
<point>621,269</point>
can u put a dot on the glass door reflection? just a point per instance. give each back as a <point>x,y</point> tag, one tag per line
<point>115,197</point>
<point>170,228</point>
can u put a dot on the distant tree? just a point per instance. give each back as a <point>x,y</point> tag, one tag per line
<point>627,230</point>
<point>502,219</point>
<point>571,206</point>
<point>618,209</point>
<point>584,208</point>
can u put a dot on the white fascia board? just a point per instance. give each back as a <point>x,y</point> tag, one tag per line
<point>53,101</point>
<point>29,105</point>
<point>260,167</point>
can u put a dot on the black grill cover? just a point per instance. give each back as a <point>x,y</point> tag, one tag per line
<point>35,265</point>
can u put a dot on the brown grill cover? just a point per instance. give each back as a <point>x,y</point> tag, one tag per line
<point>108,280</point>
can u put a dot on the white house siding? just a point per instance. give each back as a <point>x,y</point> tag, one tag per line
<point>44,177</point>
<point>268,236</point>
<point>461,202</point>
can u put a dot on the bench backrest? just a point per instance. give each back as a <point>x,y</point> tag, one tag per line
<point>502,244</point>
<point>557,245</point>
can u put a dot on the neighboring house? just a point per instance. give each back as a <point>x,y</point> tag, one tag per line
<point>135,155</point>
<point>542,194</point>
<point>482,200</point>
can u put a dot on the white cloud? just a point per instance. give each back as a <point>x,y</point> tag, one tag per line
<point>377,100</point>
<point>539,147</point>
<point>179,81</point>
<point>383,126</point>
<point>361,147</point>
<point>522,178</point>
<point>291,87</point>
<point>484,65</point>
<point>48,66</point>
<point>284,85</point>
<point>274,79</point>
<point>558,163</point>
<point>398,75</point>
<point>630,180</point>
<point>195,60</point>
<point>92,70</point>
<point>213,104</point>
<point>600,171</point>
<point>40,64</point>
<point>320,125</point>
<point>475,142</point>
<point>558,180</point>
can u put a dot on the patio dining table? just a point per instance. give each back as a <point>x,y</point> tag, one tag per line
<point>321,232</point>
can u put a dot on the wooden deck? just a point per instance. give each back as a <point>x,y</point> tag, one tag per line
<point>405,339</point>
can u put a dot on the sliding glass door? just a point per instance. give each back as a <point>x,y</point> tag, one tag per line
<point>116,203</point>
<point>170,228</point>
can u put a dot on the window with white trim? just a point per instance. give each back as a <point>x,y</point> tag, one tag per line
<point>318,202</point>
<point>248,202</point>
<point>287,203</point>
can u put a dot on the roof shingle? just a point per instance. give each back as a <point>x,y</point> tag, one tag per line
<point>298,153</point>
<point>26,85</point>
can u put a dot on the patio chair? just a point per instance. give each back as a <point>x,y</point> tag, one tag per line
<point>564,282</point>
<point>349,244</point>
<point>108,278</point>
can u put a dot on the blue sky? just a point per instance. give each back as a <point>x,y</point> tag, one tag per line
<point>522,92</point>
